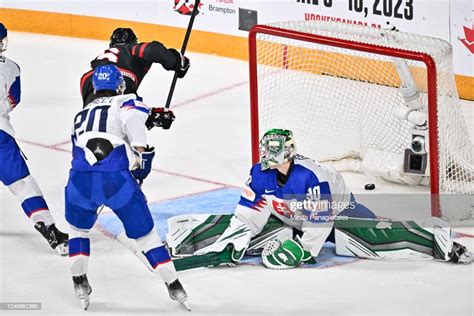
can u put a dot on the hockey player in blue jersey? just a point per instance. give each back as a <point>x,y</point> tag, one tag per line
<point>14,172</point>
<point>110,154</point>
<point>309,197</point>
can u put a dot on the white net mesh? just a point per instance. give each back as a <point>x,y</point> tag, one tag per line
<point>341,103</point>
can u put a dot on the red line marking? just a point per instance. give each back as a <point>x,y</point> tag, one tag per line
<point>210,94</point>
<point>104,231</point>
<point>54,147</point>
<point>194,178</point>
<point>187,195</point>
<point>60,143</point>
<point>461,235</point>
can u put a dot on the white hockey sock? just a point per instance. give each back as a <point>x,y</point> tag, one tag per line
<point>157,256</point>
<point>29,194</point>
<point>79,251</point>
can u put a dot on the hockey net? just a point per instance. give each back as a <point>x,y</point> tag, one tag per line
<point>338,88</point>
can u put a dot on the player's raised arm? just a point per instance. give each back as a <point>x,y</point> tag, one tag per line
<point>134,61</point>
<point>169,58</point>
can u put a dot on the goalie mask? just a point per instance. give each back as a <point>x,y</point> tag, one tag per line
<point>276,147</point>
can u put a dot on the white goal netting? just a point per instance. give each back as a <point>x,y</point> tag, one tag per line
<point>341,104</point>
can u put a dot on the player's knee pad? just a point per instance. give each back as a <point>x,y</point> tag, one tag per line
<point>31,199</point>
<point>149,241</point>
<point>157,256</point>
<point>25,188</point>
<point>75,232</point>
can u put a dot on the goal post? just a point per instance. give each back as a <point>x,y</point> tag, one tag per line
<point>307,74</point>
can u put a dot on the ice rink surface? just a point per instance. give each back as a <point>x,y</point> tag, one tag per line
<point>207,149</point>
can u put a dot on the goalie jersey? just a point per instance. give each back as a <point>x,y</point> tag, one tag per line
<point>120,120</point>
<point>10,92</point>
<point>311,197</point>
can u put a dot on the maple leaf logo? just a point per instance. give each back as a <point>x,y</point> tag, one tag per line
<point>468,41</point>
<point>184,7</point>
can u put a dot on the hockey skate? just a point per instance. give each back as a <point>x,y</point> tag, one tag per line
<point>177,293</point>
<point>56,239</point>
<point>460,254</point>
<point>82,289</point>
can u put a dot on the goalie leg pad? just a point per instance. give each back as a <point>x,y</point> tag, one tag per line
<point>238,234</point>
<point>395,240</point>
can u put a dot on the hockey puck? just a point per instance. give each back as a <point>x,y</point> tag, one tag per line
<point>370,186</point>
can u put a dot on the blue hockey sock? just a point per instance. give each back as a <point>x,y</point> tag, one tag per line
<point>158,256</point>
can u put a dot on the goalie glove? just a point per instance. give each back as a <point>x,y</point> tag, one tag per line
<point>160,117</point>
<point>286,255</point>
<point>145,160</point>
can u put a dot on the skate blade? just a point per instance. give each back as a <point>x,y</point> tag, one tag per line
<point>185,305</point>
<point>85,303</point>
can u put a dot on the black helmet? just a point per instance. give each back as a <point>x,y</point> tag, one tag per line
<point>123,36</point>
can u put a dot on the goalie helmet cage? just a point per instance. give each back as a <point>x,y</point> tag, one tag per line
<point>337,87</point>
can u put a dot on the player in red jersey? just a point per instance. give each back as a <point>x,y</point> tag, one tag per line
<point>134,61</point>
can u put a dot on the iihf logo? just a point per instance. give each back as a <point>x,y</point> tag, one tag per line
<point>184,7</point>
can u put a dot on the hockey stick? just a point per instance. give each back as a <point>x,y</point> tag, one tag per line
<point>183,50</point>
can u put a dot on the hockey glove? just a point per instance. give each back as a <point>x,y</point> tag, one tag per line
<point>182,65</point>
<point>283,256</point>
<point>145,159</point>
<point>160,117</point>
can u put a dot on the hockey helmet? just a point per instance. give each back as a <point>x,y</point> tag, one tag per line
<point>108,77</point>
<point>276,147</point>
<point>123,36</point>
<point>3,38</point>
